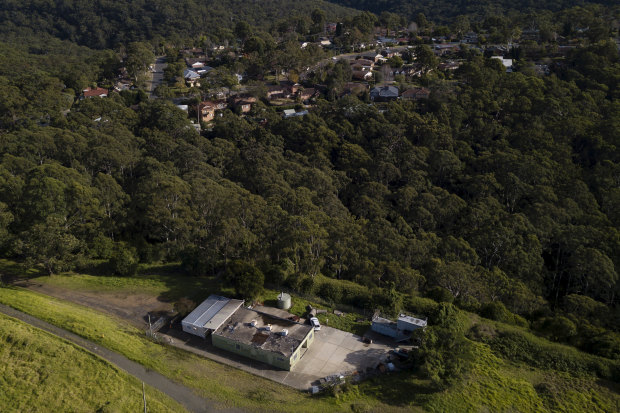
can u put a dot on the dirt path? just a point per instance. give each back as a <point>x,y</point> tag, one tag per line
<point>178,392</point>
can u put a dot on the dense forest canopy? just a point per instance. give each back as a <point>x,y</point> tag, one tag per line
<point>110,23</point>
<point>499,193</point>
<point>443,11</point>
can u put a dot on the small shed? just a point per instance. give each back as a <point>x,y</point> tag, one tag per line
<point>210,315</point>
<point>400,330</point>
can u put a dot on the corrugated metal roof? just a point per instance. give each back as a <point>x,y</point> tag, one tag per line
<point>212,312</point>
<point>412,320</point>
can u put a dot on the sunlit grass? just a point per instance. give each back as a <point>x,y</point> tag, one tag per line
<point>40,372</point>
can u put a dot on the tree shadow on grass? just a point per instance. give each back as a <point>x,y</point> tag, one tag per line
<point>12,272</point>
<point>400,389</point>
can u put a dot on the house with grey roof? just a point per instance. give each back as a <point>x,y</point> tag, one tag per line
<point>384,93</point>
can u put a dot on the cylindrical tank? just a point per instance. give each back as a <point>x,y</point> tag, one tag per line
<point>284,301</point>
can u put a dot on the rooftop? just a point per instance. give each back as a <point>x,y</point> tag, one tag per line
<point>98,91</point>
<point>412,320</point>
<point>239,328</point>
<point>212,312</point>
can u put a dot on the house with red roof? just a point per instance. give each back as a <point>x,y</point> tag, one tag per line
<point>96,92</point>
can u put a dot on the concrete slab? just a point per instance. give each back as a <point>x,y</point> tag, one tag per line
<point>332,352</point>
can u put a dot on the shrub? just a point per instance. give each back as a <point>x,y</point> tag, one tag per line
<point>247,280</point>
<point>440,294</point>
<point>124,260</point>
<point>307,285</point>
<point>331,292</point>
<point>194,262</point>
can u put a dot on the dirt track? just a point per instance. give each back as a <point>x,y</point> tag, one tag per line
<point>178,392</point>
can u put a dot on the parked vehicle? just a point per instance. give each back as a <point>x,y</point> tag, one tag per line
<point>315,323</point>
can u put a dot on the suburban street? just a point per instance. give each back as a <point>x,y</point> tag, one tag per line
<point>178,392</point>
<point>156,76</point>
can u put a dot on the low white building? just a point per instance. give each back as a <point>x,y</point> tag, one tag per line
<point>506,62</point>
<point>210,315</point>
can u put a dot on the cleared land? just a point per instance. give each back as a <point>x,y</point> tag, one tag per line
<point>40,372</point>
<point>227,386</point>
<point>491,383</point>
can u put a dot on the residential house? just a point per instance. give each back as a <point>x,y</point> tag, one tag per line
<point>307,94</point>
<point>363,65</point>
<point>443,49</point>
<point>244,103</point>
<point>203,70</point>
<point>375,57</point>
<point>291,113</point>
<point>191,77</point>
<point>471,38</point>
<point>195,63</point>
<point>361,75</point>
<point>387,53</point>
<point>285,90</point>
<point>384,93</point>
<point>449,65</point>
<point>123,84</point>
<point>506,62</point>
<point>208,108</point>
<point>207,111</point>
<point>96,92</point>
<point>277,92</point>
<point>416,93</point>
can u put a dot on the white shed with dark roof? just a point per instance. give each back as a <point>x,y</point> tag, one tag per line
<point>210,315</point>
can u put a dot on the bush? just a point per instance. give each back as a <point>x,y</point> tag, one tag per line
<point>440,294</point>
<point>557,328</point>
<point>420,306</point>
<point>495,310</point>
<point>247,280</point>
<point>307,285</point>
<point>330,292</point>
<point>195,262</point>
<point>124,260</point>
<point>389,302</point>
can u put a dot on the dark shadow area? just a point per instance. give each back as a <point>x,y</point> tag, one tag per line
<point>367,358</point>
<point>399,388</point>
<point>163,269</point>
<point>12,272</point>
<point>196,289</point>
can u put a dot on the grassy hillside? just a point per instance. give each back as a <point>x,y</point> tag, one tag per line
<point>224,384</point>
<point>40,372</point>
<point>506,368</point>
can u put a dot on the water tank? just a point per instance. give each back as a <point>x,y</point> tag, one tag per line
<point>284,301</point>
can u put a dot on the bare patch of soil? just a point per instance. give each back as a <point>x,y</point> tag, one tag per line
<point>131,307</point>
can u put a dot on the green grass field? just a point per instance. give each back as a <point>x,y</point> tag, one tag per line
<point>41,372</point>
